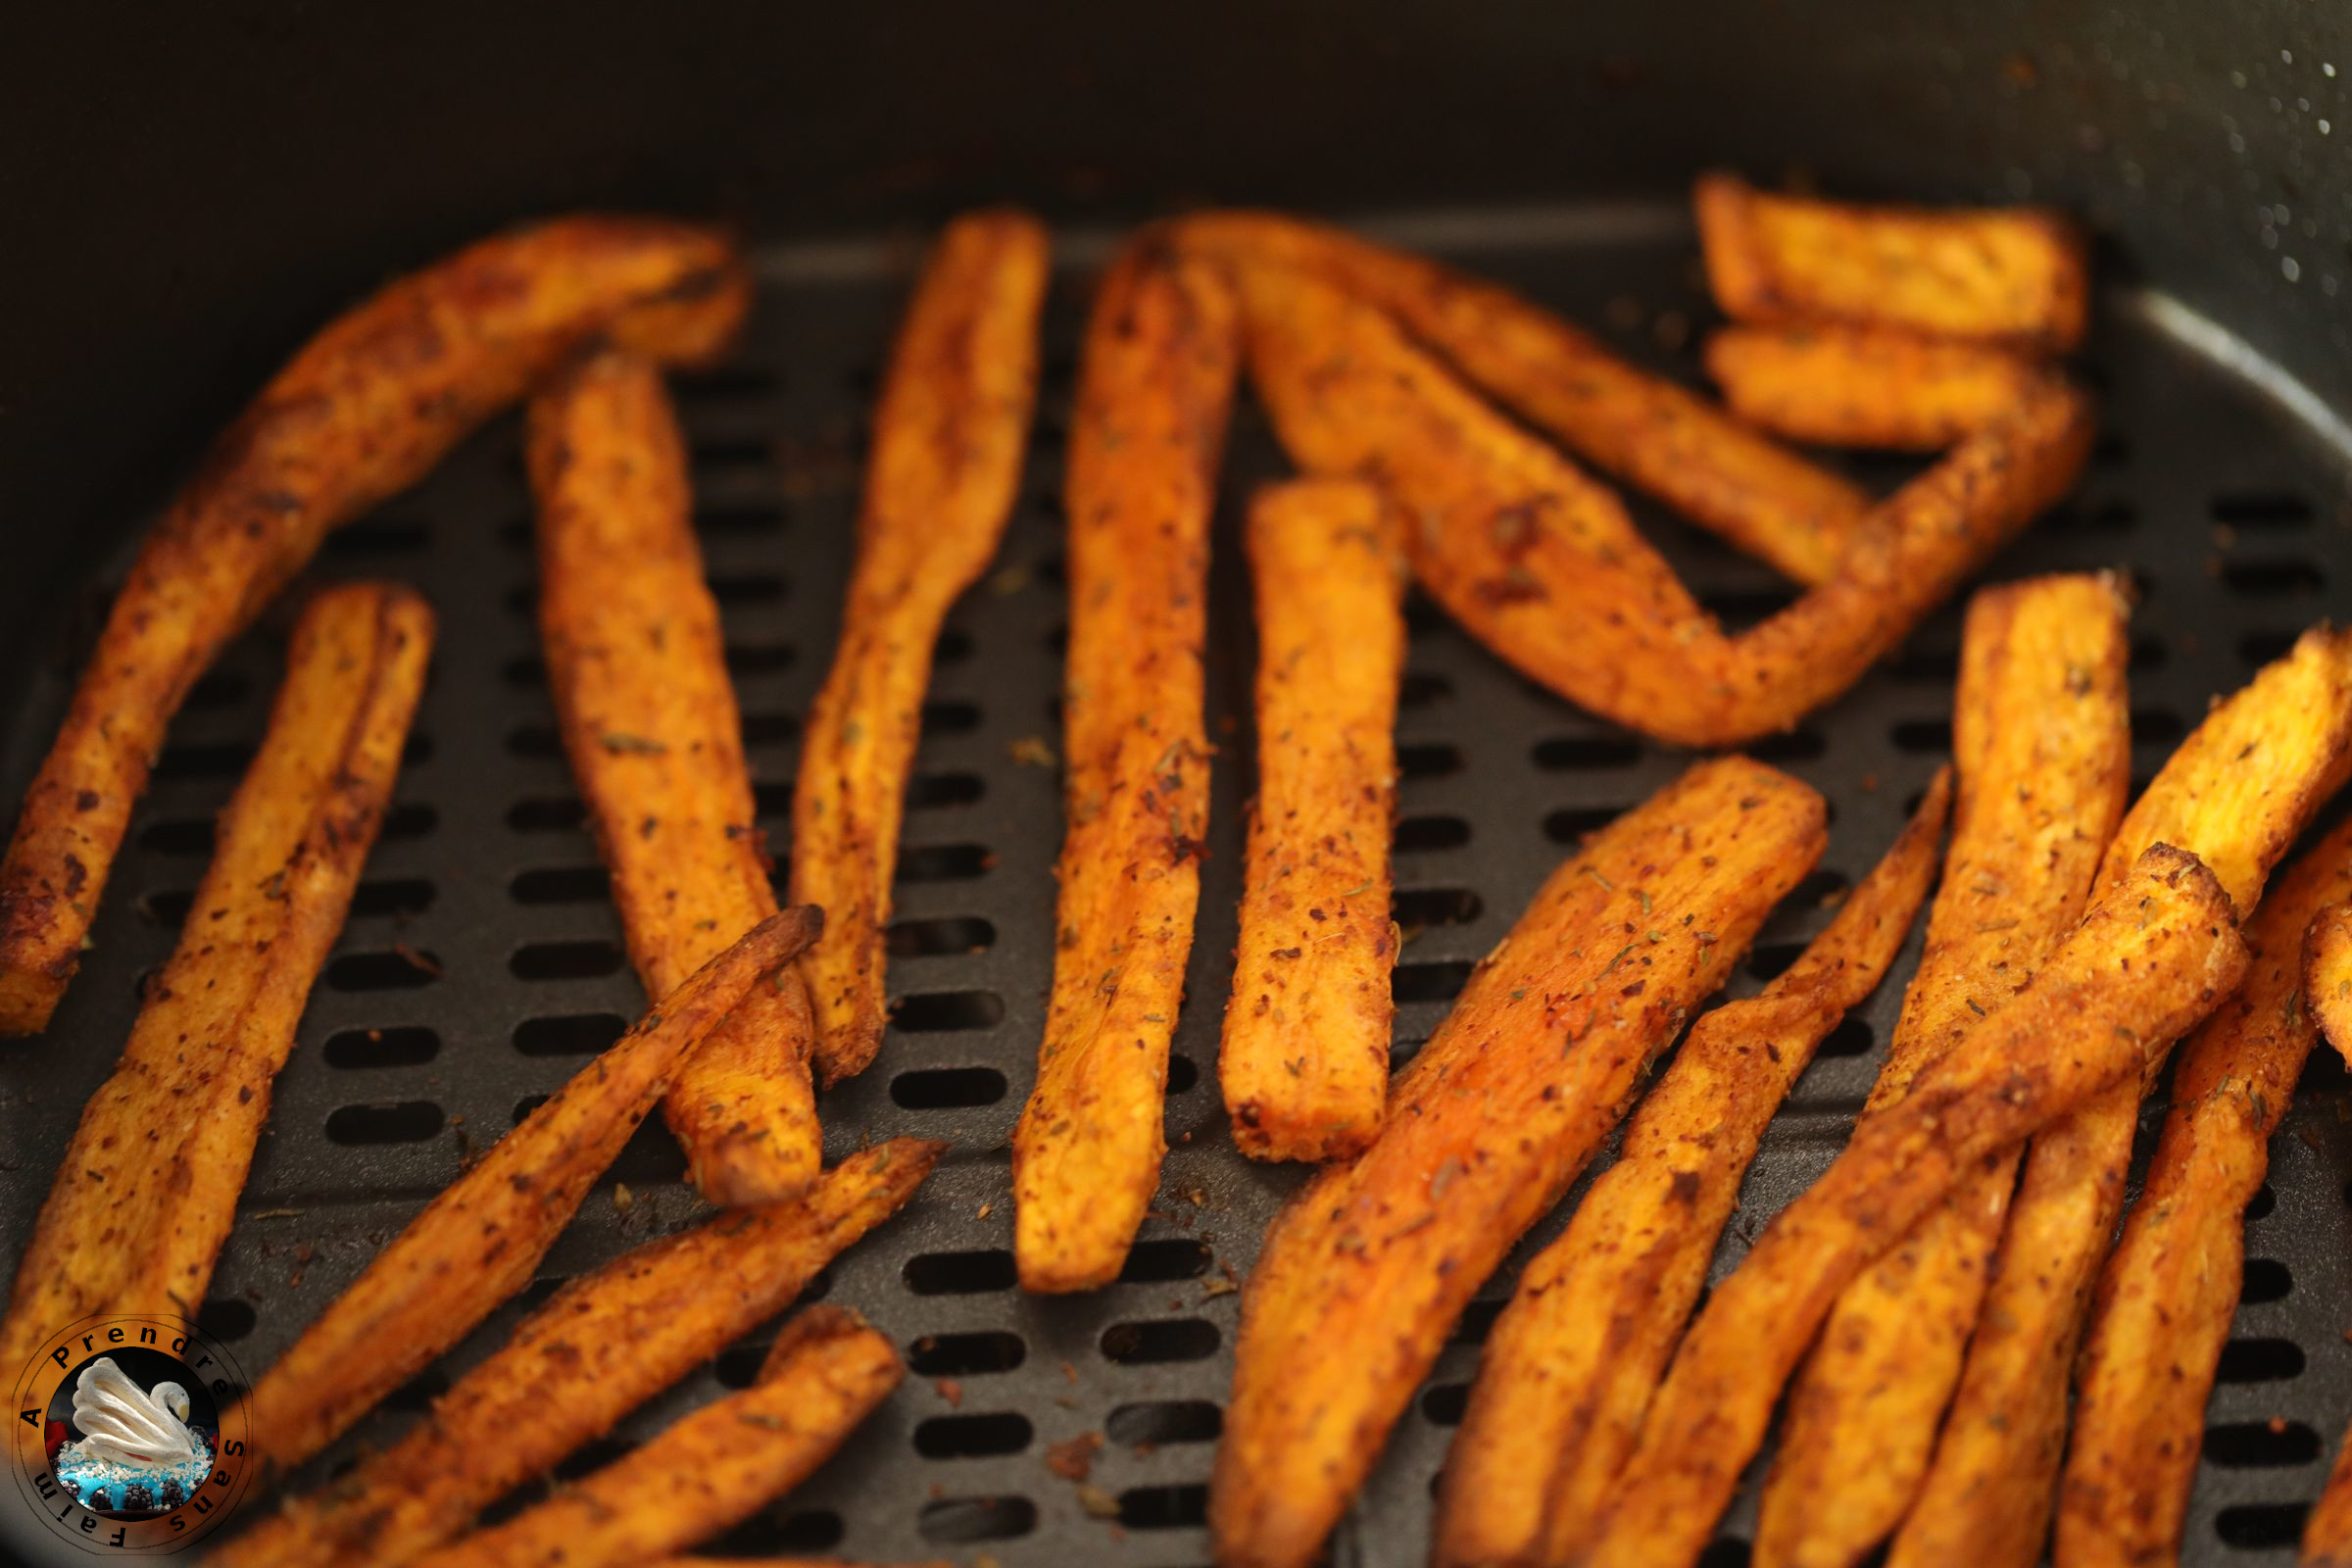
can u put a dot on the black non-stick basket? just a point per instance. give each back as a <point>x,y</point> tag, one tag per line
<point>199,191</point>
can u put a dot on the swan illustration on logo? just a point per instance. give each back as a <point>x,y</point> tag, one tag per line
<point>138,1451</point>
<point>144,1430</point>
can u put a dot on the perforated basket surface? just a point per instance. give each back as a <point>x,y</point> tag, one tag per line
<point>481,965</point>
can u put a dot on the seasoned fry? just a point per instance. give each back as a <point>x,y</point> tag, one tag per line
<point>709,1470</point>
<point>945,463</point>
<point>2149,961</point>
<point>1364,1273</point>
<point>597,1350</point>
<point>1542,565</point>
<point>2013,274</point>
<point>2164,1302</point>
<point>1569,1367</point>
<point>1642,428</point>
<point>361,413</point>
<point>637,666</point>
<point>1865,386</point>
<point>148,1187</point>
<point>2040,732</point>
<point>1153,394</point>
<point>2328,984</point>
<point>479,1241</point>
<point>1305,1055</point>
<point>2237,792</point>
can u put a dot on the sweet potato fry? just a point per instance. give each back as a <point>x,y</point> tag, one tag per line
<point>479,1241</point>
<point>2040,732</point>
<point>2237,792</point>
<point>2149,961</point>
<point>1153,394</point>
<point>1571,1363</point>
<point>709,1470</point>
<point>636,663</point>
<point>1542,565</point>
<point>1305,1055</point>
<point>2013,274</point>
<point>1642,428</point>
<point>148,1187</point>
<point>947,460</point>
<point>1364,1273</point>
<point>2165,1300</point>
<point>361,413</point>
<point>1862,386</point>
<point>598,1348</point>
<point>2328,983</point>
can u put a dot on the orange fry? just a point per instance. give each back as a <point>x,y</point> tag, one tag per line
<point>363,412</point>
<point>148,1187</point>
<point>2149,961</point>
<point>598,1348</point>
<point>2040,733</point>
<point>1543,565</point>
<point>1153,396</point>
<point>1644,429</point>
<point>2165,1300</point>
<point>2237,792</point>
<point>712,1469</point>
<point>1364,1273</point>
<point>2328,983</point>
<point>637,669</point>
<point>1569,1367</point>
<point>478,1242</point>
<point>1305,1055</point>
<point>946,461</point>
<point>2005,274</point>
<point>1865,386</point>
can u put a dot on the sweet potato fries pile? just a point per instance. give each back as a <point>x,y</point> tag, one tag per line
<point>1921,1308</point>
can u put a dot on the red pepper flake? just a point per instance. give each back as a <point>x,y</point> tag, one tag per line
<point>1074,1460</point>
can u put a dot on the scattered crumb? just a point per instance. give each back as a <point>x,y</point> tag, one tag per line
<point>1010,580</point>
<point>1074,1460</point>
<point>1098,1503</point>
<point>1070,1373</point>
<point>985,1210</point>
<point>622,1199</point>
<point>1223,1283</point>
<point>1031,750</point>
<point>951,1390</point>
<point>417,961</point>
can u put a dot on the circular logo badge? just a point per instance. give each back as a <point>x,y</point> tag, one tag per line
<point>130,1434</point>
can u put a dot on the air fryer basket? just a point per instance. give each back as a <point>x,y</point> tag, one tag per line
<point>481,965</point>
